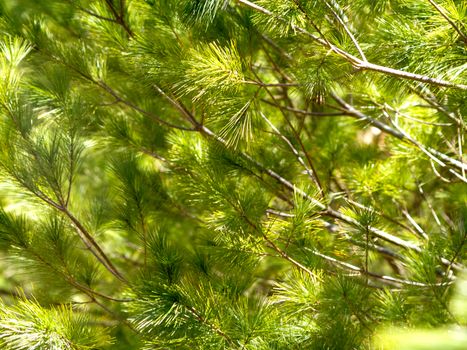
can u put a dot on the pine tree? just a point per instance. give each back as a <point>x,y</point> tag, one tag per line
<point>232,174</point>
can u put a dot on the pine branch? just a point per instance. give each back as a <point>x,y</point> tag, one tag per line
<point>397,282</point>
<point>118,98</point>
<point>326,211</point>
<point>355,61</point>
<point>238,252</point>
<point>72,281</point>
<point>86,238</point>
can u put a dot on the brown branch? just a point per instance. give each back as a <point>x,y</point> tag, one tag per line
<point>97,15</point>
<point>136,108</point>
<point>119,17</point>
<point>90,243</point>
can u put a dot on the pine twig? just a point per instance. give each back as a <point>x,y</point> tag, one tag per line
<point>313,173</point>
<point>213,327</point>
<point>304,112</point>
<point>90,243</point>
<point>138,109</point>
<point>435,155</point>
<point>387,279</point>
<point>290,186</point>
<point>450,21</point>
<point>291,146</point>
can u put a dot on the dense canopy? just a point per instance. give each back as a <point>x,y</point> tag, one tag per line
<point>233,174</point>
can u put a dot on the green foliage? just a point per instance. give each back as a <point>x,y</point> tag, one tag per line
<point>27,325</point>
<point>213,174</point>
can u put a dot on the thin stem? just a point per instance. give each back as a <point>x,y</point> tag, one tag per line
<point>450,21</point>
<point>347,30</point>
<point>432,103</point>
<point>304,112</point>
<point>145,234</point>
<point>284,255</point>
<point>118,317</point>
<point>71,171</point>
<point>428,202</point>
<point>457,252</point>
<point>383,215</point>
<point>260,83</point>
<point>275,46</point>
<point>120,99</point>
<point>70,279</point>
<point>97,15</point>
<point>119,18</point>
